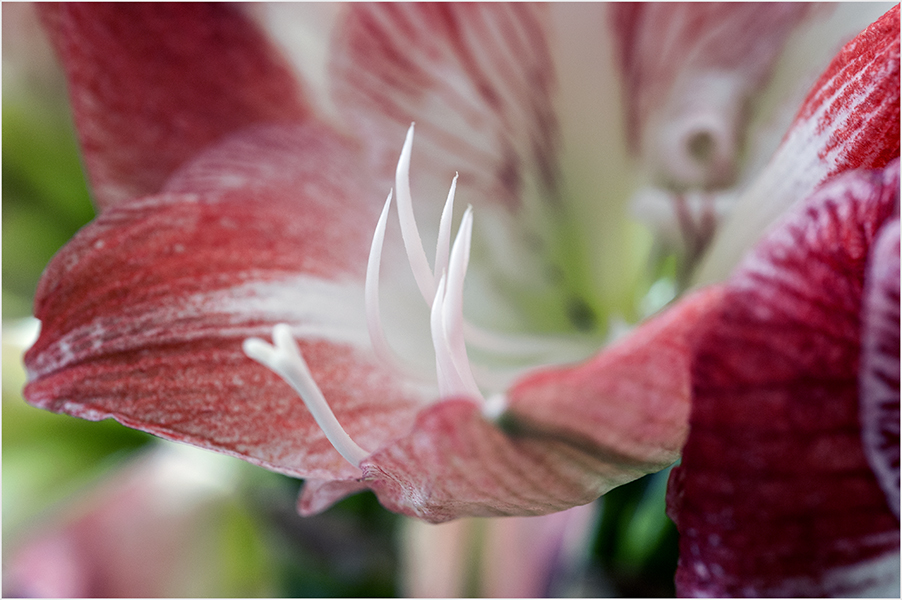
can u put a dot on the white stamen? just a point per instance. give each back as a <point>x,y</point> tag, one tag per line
<point>285,359</point>
<point>443,295</point>
<point>444,370</point>
<point>413,244</point>
<point>452,304</point>
<point>371,289</point>
<point>443,245</point>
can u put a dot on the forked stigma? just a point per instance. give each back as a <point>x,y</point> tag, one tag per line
<point>284,357</point>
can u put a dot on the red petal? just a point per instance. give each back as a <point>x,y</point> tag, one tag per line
<point>476,78</point>
<point>152,84</point>
<point>850,120</point>
<point>690,71</point>
<point>879,379</point>
<point>774,495</point>
<point>631,402</point>
<point>455,463</point>
<point>144,311</point>
<point>318,494</point>
<point>853,109</point>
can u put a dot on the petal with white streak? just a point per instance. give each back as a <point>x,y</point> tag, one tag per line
<point>879,379</point>
<point>774,495</point>
<point>476,78</point>
<point>144,312</point>
<point>850,120</point>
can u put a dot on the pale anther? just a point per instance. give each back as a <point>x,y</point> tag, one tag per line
<point>285,359</point>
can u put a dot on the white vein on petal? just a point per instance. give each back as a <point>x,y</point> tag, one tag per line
<point>316,308</point>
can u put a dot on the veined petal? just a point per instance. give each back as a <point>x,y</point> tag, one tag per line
<point>152,84</point>
<point>480,82</point>
<point>631,402</point>
<point>878,382</point>
<point>476,78</point>
<point>455,463</point>
<point>774,495</point>
<point>144,312</point>
<point>691,71</point>
<point>564,440</point>
<point>850,120</point>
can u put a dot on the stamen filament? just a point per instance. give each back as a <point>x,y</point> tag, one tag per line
<point>413,244</point>
<point>452,304</point>
<point>447,383</point>
<point>371,288</point>
<point>285,359</point>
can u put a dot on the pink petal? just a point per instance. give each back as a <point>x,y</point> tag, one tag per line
<point>879,377</point>
<point>456,463</point>
<point>690,72</point>
<point>476,78</point>
<point>631,402</point>
<point>850,120</point>
<point>319,494</point>
<point>143,313</point>
<point>152,84</point>
<point>143,531</point>
<point>774,495</point>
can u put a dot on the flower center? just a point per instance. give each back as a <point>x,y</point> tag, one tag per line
<point>442,290</point>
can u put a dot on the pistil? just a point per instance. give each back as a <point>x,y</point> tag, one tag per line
<point>285,359</point>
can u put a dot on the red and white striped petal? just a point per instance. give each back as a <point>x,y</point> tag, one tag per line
<point>144,312</point>
<point>690,72</point>
<point>878,382</point>
<point>476,78</point>
<point>774,495</point>
<point>479,81</point>
<point>850,120</point>
<point>153,84</point>
<point>631,402</point>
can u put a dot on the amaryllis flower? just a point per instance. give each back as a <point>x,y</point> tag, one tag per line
<point>238,205</point>
<point>143,531</point>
